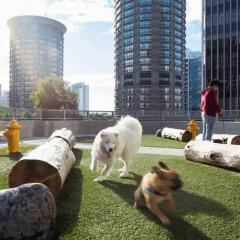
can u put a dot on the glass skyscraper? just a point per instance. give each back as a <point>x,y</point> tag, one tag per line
<point>221,49</point>
<point>82,91</point>
<point>193,81</point>
<point>36,51</point>
<point>149,56</point>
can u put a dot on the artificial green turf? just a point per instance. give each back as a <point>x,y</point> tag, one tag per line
<point>153,141</point>
<point>6,164</point>
<point>147,141</point>
<point>208,206</point>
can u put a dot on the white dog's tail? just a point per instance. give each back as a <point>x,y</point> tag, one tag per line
<point>131,123</point>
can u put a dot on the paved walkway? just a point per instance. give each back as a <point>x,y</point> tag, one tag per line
<point>145,150</point>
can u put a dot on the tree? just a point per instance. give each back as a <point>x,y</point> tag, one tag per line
<point>54,93</point>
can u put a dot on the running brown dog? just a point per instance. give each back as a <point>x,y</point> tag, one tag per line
<point>156,187</point>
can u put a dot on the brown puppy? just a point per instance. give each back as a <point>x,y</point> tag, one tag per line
<point>156,187</point>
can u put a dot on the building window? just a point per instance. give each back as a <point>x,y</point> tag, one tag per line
<point>128,55</point>
<point>144,45</point>
<point>128,48</point>
<point>145,16</point>
<point>145,31</point>
<point>145,39</point>
<point>166,2</point>
<point>128,12</point>
<point>145,9</point>
<point>128,5</point>
<point>145,68</point>
<point>128,40</point>
<point>144,60</point>
<point>128,69</point>
<point>145,23</point>
<point>129,62</point>
<point>144,53</point>
<point>144,2</point>
<point>128,26</point>
<point>128,34</point>
<point>128,19</point>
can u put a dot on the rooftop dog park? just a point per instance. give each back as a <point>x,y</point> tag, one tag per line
<point>207,205</point>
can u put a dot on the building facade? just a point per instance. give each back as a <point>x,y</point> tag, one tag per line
<point>186,86</point>
<point>149,56</point>
<point>4,98</point>
<point>82,91</point>
<point>36,52</point>
<point>221,49</point>
<point>193,80</point>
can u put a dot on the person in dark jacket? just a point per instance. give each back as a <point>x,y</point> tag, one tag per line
<point>209,109</point>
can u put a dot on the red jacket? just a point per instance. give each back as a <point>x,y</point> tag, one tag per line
<point>209,103</point>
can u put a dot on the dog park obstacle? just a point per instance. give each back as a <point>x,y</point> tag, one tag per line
<point>222,155</point>
<point>223,138</point>
<point>175,134</point>
<point>27,212</point>
<point>49,163</point>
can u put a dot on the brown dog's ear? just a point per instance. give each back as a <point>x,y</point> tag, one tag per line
<point>157,170</point>
<point>163,165</point>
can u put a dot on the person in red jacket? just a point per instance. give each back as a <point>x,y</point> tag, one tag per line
<point>209,109</point>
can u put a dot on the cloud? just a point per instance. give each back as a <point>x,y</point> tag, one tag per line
<point>73,13</point>
<point>109,31</point>
<point>101,89</point>
<point>194,10</point>
<point>194,19</point>
<point>95,79</point>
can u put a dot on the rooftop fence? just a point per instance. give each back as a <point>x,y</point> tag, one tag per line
<point>46,114</point>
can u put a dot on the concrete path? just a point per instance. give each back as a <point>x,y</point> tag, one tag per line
<point>144,150</point>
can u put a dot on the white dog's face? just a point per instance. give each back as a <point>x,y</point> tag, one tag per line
<point>109,140</point>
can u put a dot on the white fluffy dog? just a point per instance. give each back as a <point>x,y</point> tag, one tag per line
<point>120,141</point>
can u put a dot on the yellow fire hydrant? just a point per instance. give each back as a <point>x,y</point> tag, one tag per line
<point>13,136</point>
<point>193,128</point>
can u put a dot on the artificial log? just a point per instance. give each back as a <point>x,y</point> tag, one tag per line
<point>223,138</point>
<point>27,212</point>
<point>176,134</point>
<point>223,155</point>
<point>158,133</point>
<point>49,163</point>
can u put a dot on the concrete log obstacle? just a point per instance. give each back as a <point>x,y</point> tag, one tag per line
<point>175,134</point>
<point>49,163</point>
<point>222,155</point>
<point>27,212</point>
<point>223,138</point>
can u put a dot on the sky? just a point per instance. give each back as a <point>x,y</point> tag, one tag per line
<point>89,41</point>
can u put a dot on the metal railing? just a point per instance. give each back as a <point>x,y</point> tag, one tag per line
<point>47,114</point>
<point>52,114</point>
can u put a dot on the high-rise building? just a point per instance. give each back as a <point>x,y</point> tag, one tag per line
<point>36,51</point>
<point>149,56</point>
<point>186,86</point>
<point>221,49</point>
<point>4,98</point>
<point>83,96</point>
<point>193,80</point>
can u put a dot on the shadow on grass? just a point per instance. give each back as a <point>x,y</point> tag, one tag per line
<point>78,155</point>
<point>186,203</point>
<point>69,202</point>
<point>12,156</point>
